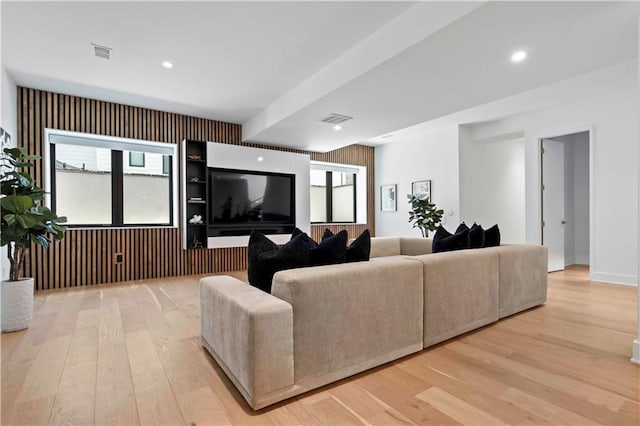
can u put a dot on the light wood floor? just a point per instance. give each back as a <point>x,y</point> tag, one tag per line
<point>130,354</point>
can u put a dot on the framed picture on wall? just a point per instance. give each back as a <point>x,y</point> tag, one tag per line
<point>388,199</point>
<point>421,189</point>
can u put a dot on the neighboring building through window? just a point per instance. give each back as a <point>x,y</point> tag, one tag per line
<point>136,159</point>
<point>333,194</point>
<point>99,181</point>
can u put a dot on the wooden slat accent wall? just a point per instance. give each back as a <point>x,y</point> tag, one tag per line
<point>86,257</point>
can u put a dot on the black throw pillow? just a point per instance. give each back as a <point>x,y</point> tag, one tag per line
<point>331,250</point>
<point>296,231</point>
<point>327,234</point>
<point>492,236</point>
<point>266,258</point>
<point>360,249</point>
<point>312,244</point>
<point>443,240</point>
<point>462,227</point>
<point>476,235</point>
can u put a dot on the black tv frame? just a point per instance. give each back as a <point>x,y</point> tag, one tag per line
<point>245,228</point>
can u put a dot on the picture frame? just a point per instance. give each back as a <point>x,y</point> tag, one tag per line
<point>389,198</point>
<point>421,189</point>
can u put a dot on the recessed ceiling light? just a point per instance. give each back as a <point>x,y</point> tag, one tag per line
<point>260,159</point>
<point>337,127</point>
<point>167,64</point>
<point>519,56</point>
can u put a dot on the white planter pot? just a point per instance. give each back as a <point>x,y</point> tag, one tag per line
<point>17,304</point>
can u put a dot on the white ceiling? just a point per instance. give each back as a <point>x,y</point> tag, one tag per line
<point>278,67</point>
<point>232,59</point>
<point>467,64</point>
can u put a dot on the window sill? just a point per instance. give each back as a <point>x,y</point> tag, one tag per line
<point>336,223</point>
<point>94,228</point>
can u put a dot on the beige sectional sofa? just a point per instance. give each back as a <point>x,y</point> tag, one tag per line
<point>324,323</point>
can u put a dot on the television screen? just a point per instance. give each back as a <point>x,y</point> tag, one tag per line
<point>241,196</point>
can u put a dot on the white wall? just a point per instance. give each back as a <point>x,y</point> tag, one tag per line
<point>614,165</point>
<point>492,184</point>
<point>431,154</point>
<point>9,122</point>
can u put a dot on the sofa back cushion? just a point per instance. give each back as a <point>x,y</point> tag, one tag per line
<point>354,313</point>
<point>385,246</point>
<point>415,246</point>
<point>460,292</point>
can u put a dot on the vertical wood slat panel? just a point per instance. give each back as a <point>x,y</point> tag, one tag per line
<point>86,257</point>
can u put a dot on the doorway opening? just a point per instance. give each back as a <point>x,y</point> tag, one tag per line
<point>565,199</point>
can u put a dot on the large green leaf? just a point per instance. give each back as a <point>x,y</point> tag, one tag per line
<point>17,203</point>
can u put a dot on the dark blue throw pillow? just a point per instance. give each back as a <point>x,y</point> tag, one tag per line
<point>265,258</point>
<point>443,240</point>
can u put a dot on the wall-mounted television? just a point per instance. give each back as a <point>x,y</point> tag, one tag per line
<point>243,200</point>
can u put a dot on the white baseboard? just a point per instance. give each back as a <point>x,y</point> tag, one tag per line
<point>570,260</point>
<point>636,352</point>
<point>621,279</point>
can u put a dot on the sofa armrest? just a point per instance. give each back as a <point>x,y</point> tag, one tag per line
<point>249,333</point>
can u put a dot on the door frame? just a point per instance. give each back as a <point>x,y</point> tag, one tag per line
<point>555,134</point>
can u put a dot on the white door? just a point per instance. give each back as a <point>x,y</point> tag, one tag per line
<point>553,202</point>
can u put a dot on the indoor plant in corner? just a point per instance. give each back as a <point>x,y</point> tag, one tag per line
<point>424,214</point>
<point>24,221</point>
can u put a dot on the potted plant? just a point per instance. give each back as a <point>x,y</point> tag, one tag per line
<point>424,214</point>
<point>24,221</point>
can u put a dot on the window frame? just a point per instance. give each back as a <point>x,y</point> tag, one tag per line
<point>329,198</point>
<point>117,146</point>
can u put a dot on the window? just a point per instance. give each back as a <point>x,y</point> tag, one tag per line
<point>333,194</point>
<point>99,181</point>
<point>136,159</point>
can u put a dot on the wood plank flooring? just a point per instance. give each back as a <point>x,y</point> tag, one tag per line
<point>130,354</point>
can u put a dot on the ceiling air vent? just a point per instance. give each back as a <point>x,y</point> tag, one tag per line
<point>336,118</point>
<point>101,51</point>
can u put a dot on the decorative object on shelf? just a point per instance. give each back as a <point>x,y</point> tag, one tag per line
<point>195,157</point>
<point>24,221</point>
<point>196,219</point>
<point>388,201</point>
<point>421,189</point>
<point>194,179</point>
<point>195,243</point>
<point>424,214</point>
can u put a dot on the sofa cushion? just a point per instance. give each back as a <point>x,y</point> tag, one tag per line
<point>443,240</point>
<point>331,250</point>
<point>460,292</point>
<point>265,258</point>
<point>492,236</point>
<point>385,246</point>
<point>415,246</point>
<point>352,316</point>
